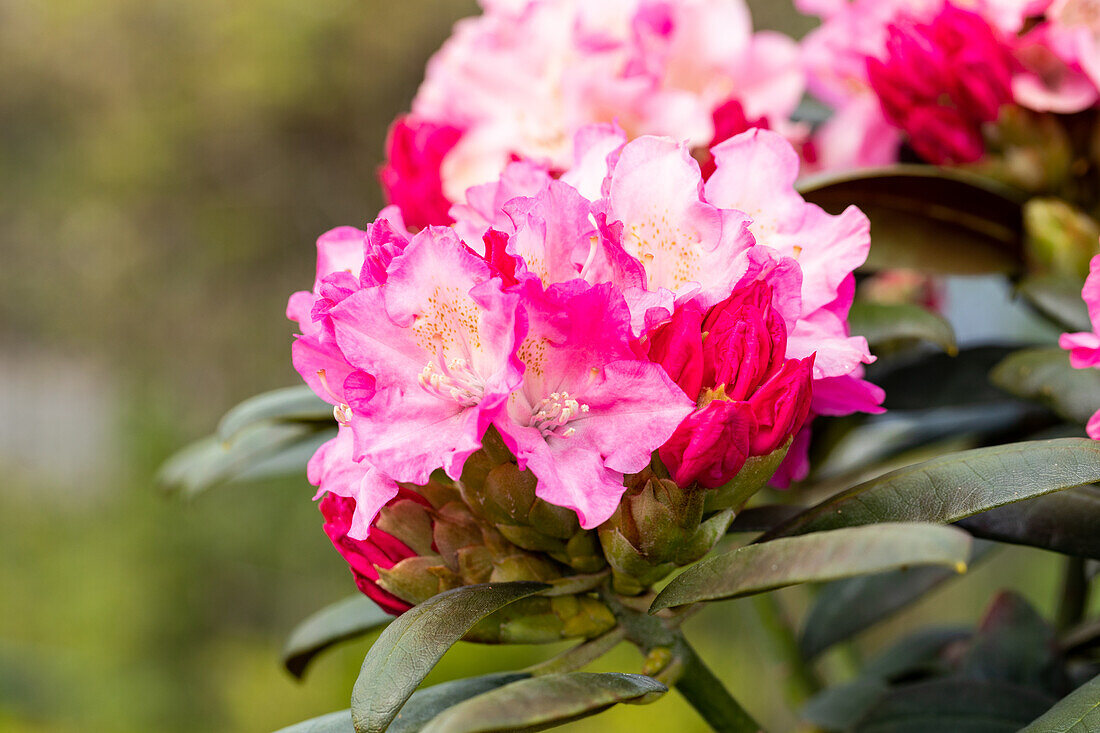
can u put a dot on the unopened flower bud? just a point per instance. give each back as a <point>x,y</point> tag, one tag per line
<point>1061,239</point>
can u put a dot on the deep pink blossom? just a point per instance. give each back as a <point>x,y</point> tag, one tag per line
<point>940,81</point>
<point>589,409</point>
<point>365,556</point>
<point>411,180</point>
<point>334,470</point>
<point>1084,348</point>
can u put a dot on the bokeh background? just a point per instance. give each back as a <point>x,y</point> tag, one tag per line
<point>165,167</point>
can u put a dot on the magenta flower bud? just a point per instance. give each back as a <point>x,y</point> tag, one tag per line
<point>411,177</point>
<point>379,550</point>
<point>782,405</point>
<point>678,347</point>
<point>940,81</point>
<point>744,343</point>
<point>711,444</point>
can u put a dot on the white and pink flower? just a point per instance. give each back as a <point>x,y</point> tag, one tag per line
<point>545,311</point>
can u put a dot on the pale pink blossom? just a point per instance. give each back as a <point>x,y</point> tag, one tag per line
<point>520,80</point>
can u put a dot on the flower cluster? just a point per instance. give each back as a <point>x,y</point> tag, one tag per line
<point>1084,348</point>
<point>570,339</point>
<point>938,70</point>
<point>522,78</point>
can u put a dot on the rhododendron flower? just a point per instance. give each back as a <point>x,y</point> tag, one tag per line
<point>938,69</point>
<point>1084,348</point>
<point>573,323</point>
<point>520,80</point>
<point>439,339</point>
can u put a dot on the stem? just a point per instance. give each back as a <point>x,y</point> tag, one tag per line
<point>685,670</point>
<point>802,681</point>
<point>1075,593</point>
<point>709,697</point>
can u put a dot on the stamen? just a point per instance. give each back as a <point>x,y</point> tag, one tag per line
<point>552,413</point>
<point>341,411</point>
<point>452,380</point>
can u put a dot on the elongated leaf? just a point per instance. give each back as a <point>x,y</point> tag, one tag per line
<point>1044,375</point>
<point>427,703</point>
<point>928,218</point>
<point>211,462</point>
<point>1014,644</point>
<point>847,607</point>
<point>332,723</point>
<point>955,705</point>
<point>956,486</point>
<point>839,707</point>
<point>881,323</point>
<point>290,404</point>
<point>1078,712</point>
<point>762,518</point>
<point>1058,298</point>
<point>413,643</point>
<point>542,702</point>
<point>1065,521</point>
<point>940,380</point>
<point>816,558</point>
<point>347,619</point>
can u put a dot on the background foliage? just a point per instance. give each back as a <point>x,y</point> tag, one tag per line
<point>164,170</point>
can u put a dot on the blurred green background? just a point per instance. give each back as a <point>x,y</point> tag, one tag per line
<point>165,167</point>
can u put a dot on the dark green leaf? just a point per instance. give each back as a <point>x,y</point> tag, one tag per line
<point>762,518</point>
<point>413,643</point>
<point>955,705</point>
<point>1044,375</point>
<point>816,558</point>
<point>343,620</point>
<point>850,606</point>
<point>290,404</point>
<point>838,708</point>
<point>927,218</point>
<point>881,323</point>
<point>1079,712</point>
<point>1065,521</point>
<point>1059,298</point>
<point>955,486</point>
<point>940,380</point>
<point>332,723</point>
<point>544,702</point>
<point>431,701</point>
<point>1014,644</point>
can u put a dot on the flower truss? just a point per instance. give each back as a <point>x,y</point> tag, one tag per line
<point>936,72</point>
<point>623,317</point>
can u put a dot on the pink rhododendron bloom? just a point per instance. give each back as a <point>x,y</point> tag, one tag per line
<point>594,318</point>
<point>1084,348</point>
<point>365,556</point>
<point>439,340</point>
<point>589,409</point>
<point>520,80</point>
<point>940,81</point>
<point>939,69</point>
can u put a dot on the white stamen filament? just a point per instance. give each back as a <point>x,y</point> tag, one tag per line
<point>552,413</point>
<point>452,380</point>
<point>341,411</point>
